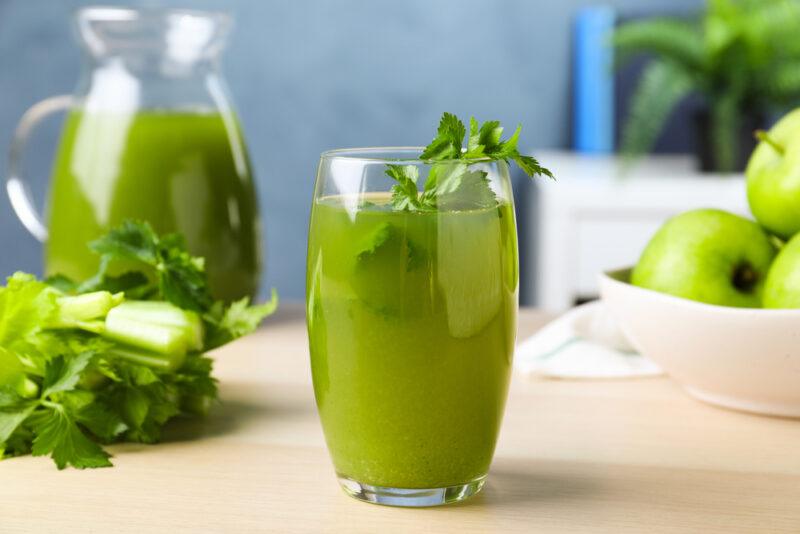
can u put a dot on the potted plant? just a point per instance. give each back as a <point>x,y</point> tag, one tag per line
<point>742,56</point>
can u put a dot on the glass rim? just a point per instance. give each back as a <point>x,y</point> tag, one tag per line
<point>391,154</point>
<point>111,13</point>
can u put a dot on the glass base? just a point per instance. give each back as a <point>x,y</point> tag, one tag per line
<point>411,497</point>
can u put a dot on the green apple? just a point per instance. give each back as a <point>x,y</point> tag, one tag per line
<point>773,178</point>
<point>782,287</point>
<point>710,256</point>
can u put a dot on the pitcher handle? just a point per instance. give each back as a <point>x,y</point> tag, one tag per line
<point>16,184</point>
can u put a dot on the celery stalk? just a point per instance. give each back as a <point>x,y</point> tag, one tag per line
<point>160,362</point>
<point>90,305</point>
<point>75,311</point>
<point>95,327</point>
<point>163,339</point>
<point>166,314</point>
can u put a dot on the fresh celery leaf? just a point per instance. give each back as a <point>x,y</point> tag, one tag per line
<point>74,342</point>
<point>133,283</point>
<point>14,410</point>
<point>62,374</point>
<point>450,185</point>
<point>489,136</point>
<point>58,435</point>
<point>444,181</point>
<point>11,369</point>
<point>26,305</point>
<point>448,140</point>
<point>473,192</point>
<point>183,281</point>
<point>136,405</point>
<point>474,141</point>
<point>375,240</point>
<point>134,375</point>
<point>162,405</point>
<point>508,148</point>
<point>531,166</point>
<point>17,444</point>
<point>387,239</point>
<point>76,399</point>
<point>10,420</point>
<point>405,196</point>
<point>131,240</point>
<point>61,283</point>
<point>198,387</point>
<point>9,397</point>
<point>139,375</point>
<point>195,376</point>
<point>443,178</point>
<point>142,400</point>
<point>181,277</point>
<point>239,319</point>
<point>146,401</point>
<point>417,256</point>
<point>102,421</point>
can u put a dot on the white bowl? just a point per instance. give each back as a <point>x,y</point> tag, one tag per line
<point>739,358</point>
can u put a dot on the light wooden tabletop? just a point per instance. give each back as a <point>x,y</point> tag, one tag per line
<point>593,456</point>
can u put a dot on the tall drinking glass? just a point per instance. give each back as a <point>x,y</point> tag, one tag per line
<point>411,321</point>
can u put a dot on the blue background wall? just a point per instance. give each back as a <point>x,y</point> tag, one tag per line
<point>309,75</point>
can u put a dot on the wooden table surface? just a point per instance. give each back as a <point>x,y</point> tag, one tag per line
<point>591,456</point>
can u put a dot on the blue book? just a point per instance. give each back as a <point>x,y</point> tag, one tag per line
<point>593,106</point>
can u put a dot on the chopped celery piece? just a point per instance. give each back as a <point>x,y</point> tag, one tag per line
<point>164,313</point>
<point>163,339</point>
<point>73,311</point>
<point>159,362</point>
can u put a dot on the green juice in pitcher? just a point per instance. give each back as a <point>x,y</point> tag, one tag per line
<point>181,171</point>
<point>411,320</point>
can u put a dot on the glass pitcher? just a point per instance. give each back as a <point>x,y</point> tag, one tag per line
<point>150,134</point>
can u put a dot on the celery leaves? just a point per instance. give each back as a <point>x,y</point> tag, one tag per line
<point>88,363</point>
<point>180,277</point>
<point>451,184</point>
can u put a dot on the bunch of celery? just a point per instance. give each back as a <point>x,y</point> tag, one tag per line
<point>115,357</point>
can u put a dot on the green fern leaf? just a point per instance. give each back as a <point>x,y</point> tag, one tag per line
<point>783,83</point>
<point>774,21</point>
<point>725,126</point>
<point>673,39</point>
<point>662,86</point>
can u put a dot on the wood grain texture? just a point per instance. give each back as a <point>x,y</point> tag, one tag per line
<point>594,456</point>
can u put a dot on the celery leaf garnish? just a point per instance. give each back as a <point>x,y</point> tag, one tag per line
<point>404,193</point>
<point>450,183</point>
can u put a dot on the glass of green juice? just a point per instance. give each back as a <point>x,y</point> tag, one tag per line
<point>411,321</point>
<point>150,134</point>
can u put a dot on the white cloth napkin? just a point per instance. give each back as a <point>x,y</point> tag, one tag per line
<point>585,342</point>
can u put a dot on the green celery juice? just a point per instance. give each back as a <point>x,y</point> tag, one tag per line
<point>181,171</point>
<point>411,320</point>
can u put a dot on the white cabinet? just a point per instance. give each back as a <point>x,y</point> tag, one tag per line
<point>599,215</point>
